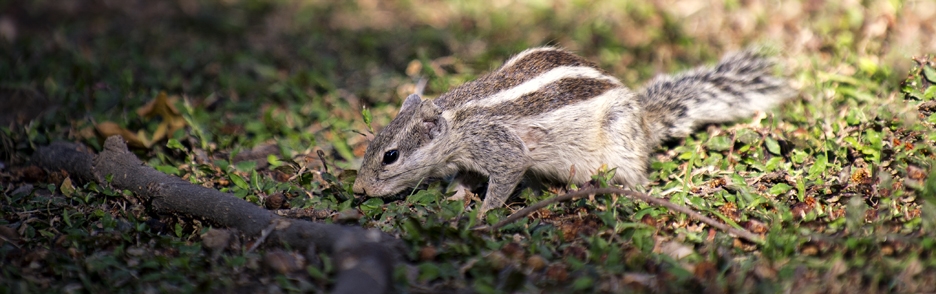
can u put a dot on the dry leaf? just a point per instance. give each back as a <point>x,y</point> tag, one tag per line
<point>67,187</point>
<point>216,239</point>
<point>283,262</point>
<point>107,129</point>
<point>639,279</point>
<point>164,107</point>
<point>676,250</point>
<point>8,234</point>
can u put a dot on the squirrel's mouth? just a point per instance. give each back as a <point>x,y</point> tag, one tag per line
<point>363,188</point>
<point>385,191</point>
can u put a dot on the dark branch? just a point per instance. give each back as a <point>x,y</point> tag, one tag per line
<point>364,258</point>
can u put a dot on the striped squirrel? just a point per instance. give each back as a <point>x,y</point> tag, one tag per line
<point>547,112</point>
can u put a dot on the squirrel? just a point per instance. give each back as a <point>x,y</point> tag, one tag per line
<point>546,112</point>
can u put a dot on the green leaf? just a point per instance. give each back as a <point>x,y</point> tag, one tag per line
<point>255,179</point>
<point>799,156</point>
<point>773,163</point>
<point>772,145</point>
<point>877,144</point>
<point>583,283</point>
<point>929,73</point>
<point>930,93</point>
<point>372,207</point>
<point>347,177</point>
<point>422,197</point>
<point>223,164</point>
<point>344,205</point>
<point>66,217</point>
<point>867,65</point>
<point>175,144</point>
<point>343,149</point>
<point>818,167</point>
<point>367,118</point>
<point>719,143</point>
<point>779,189</point>
<point>860,95</point>
<point>316,273</point>
<point>686,155</point>
<point>239,181</point>
<point>428,271</point>
<point>853,117</point>
<point>800,189</point>
<point>167,169</point>
<point>914,93</point>
<point>844,79</point>
<point>412,228</point>
<point>247,165</point>
<point>44,233</point>
<point>274,161</point>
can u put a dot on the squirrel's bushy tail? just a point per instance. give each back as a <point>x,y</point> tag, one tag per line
<point>739,85</point>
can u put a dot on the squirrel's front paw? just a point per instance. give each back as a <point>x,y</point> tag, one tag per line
<point>461,193</point>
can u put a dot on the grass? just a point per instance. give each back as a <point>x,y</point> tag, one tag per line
<point>838,181</point>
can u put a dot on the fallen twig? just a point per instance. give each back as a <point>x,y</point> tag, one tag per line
<point>364,258</point>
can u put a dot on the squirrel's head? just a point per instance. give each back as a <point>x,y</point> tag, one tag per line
<point>400,156</point>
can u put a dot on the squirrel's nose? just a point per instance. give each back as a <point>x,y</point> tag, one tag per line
<point>358,188</point>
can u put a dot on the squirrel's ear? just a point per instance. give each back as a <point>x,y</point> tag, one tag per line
<point>432,121</point>
<point>434,127</point>
<point>430,115</point>
<point>411,101</point>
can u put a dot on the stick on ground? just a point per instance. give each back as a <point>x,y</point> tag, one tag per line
<point>365,258</point>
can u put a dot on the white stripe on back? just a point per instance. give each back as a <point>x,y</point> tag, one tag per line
<point>549,77</point>
<point>523,54</point>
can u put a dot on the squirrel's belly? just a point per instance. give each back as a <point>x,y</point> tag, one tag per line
<point>577,166</point>
<point>573,143</point>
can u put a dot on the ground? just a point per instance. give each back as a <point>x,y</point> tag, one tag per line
<point>273,102</point>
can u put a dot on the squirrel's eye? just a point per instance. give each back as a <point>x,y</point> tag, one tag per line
<point>390,156</point>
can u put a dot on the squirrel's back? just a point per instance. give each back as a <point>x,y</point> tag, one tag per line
<point>529,71</point>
